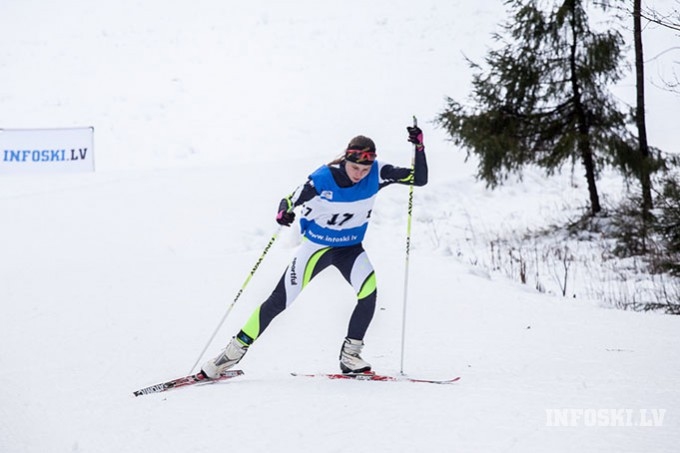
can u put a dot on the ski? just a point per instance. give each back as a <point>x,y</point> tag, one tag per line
<point>198,378</point>
<point>371,376</point>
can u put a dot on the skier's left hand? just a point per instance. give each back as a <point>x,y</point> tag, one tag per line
<point>285,218</point>
<point>415,136</point>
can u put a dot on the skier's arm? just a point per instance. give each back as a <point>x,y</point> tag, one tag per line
<point>417,175</point>
<point>390,174</point>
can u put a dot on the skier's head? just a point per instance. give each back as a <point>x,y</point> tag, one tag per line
<point>359,157</point>
<point>360,150</point>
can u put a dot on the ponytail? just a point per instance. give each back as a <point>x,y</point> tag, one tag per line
<point>337,160</point>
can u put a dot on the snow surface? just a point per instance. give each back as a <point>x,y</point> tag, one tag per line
<point>206,113</point>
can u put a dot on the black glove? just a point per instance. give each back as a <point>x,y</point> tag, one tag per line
<point>415,136</point>
<point>285,218</point>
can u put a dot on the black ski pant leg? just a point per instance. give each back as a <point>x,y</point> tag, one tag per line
<point>362,316</point>
<point>309,260</point>
<point>357,269</point>
<point>265,313</point>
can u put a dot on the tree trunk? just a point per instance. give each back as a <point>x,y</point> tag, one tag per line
<point>643,147</point>
<point>583,126</point>
<point>589,165</point>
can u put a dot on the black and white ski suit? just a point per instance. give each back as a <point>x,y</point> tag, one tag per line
<point>334,216</point>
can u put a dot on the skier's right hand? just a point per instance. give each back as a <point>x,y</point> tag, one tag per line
<point>415,136</point>
<point>285,218</point>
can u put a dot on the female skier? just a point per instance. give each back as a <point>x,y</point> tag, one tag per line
<point>336,202</point>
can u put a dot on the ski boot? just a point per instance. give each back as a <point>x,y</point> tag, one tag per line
<point>230,356</point>
<point>350,358</point>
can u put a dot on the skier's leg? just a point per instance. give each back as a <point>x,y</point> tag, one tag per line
<point>308,261</point>
<point>358,271</point>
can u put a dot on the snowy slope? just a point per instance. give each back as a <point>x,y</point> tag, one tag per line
<point>205,114</point>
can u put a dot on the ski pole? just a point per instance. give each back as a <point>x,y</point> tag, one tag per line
<point>408,252</point>
<point>238,295</point>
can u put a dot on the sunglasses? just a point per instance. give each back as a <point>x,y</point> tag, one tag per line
<point>360,155</point>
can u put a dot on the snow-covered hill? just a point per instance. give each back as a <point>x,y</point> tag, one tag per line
<point>205,114</point>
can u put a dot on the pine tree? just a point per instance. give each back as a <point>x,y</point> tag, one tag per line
<point>544,100</point>
<point>668,225</point>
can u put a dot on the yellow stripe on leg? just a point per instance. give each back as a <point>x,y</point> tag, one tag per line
<point>311,264</point>
<point>252,327</point>
<point>368,287</point>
